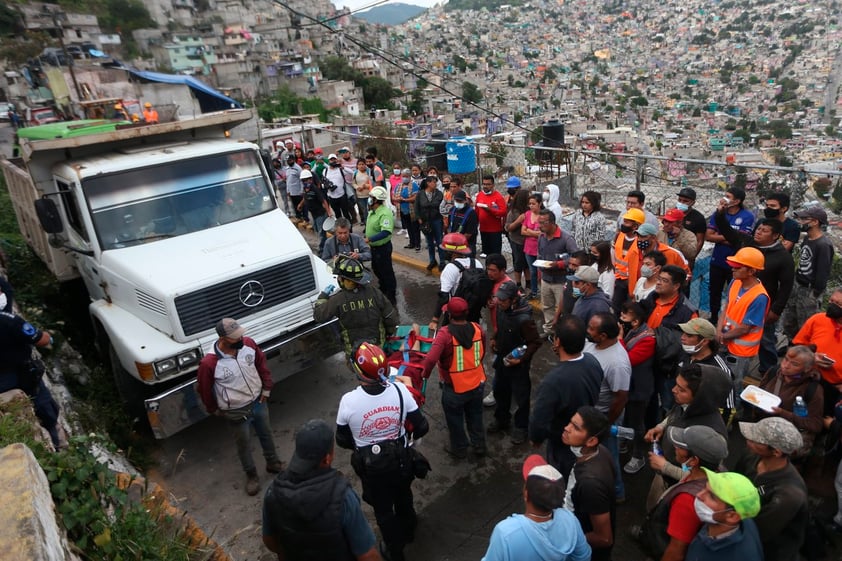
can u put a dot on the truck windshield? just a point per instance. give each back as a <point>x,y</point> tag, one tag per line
<point>175,198</point>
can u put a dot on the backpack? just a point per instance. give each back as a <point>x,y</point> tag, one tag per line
<point>474,286</point>
<point>654,531</point>
<point>465,216</point>
<point>668,350</point>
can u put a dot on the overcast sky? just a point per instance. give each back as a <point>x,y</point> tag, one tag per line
<point>356,4</point>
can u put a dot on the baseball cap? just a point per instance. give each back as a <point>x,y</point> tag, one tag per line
<point>331,156</point>
<point>289,141</point>
<point>735,490</point>
<point>673,215</point>
<point>513,182</point>
<point>635,215</point>
<point>313,441</point>
<point>647,229</point>
<point>702,441</point>
<point>344,149</point>
<point>460,196</point>
<point>814,212</point>
<point>318,151</point>
<point>457,306</point>
<point>688,193</point>
<point>585,274</point>
<point>699,326</point>
<point>230,328</point>
<point>535,465</point>
<point>776,432</point>
<point>506,291</point>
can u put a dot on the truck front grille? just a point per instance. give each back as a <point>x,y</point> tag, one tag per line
<point>241,297</point>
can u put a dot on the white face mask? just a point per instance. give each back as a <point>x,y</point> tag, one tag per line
<point>646,272</point>
<point>577,451</point>
<point>4,301</point>
<point>459,205</point>
<point>396,171</point>
<point>690,349</point>
<point>545,196</point>
<point>705,513</point>
<point>682,207</point>
<point>371,201</point>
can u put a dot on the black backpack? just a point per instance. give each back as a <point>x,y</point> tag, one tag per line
<point>474,286</point>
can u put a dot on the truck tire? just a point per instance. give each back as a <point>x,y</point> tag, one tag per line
<point>132,391</point>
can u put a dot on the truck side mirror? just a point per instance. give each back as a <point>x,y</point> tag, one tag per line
<point>48,216</point>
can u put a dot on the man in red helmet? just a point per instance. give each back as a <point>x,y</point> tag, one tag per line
<point>456,246</point>
<point>372,421</point>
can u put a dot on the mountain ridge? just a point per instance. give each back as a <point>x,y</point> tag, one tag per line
<point>391,14</point>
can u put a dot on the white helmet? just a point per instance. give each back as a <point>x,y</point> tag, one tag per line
<point>378,193</point>
<point>306,174</point>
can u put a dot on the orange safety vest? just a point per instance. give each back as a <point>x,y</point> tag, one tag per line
<point>749,344</point>
<point>150,115</point>
<point>466,371</point>
<point>627,265</point>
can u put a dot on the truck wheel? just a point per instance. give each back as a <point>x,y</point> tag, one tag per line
<point>132,391</point>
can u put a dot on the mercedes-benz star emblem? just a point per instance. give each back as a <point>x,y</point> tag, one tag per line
<point>251,293</point>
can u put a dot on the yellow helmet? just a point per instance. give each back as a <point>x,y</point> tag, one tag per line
<point>635,215</point>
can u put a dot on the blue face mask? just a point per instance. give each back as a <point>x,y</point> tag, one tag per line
<point>685,468</point>
<point>682,207</point>
<point>577,292</point>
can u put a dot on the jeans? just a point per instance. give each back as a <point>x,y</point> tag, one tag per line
<point>533,271</point>
<point>362,204</point>
<point>47,410</point>
<point>621,294</point>
<point>318,221</point>
<point>391,498</point>
<point>492,242</point>
<point>768,354</point>
<point>611,443</point>
<point>551,294</point>
<point>462,409</point>
<point>413,228</point>
<point>341,207</point>
<point>719,279</point>
<point>434,241</point>
<point>512,383</point>
<point>837,483</point>
<point>259,419</point>
<point>283,196</point>
<point>295,200</point>
<point>381,265</point>
<point>634,419</point>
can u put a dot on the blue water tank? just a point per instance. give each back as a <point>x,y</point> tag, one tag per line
<point>461,155</point>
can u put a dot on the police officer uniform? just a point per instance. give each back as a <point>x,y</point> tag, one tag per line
<point>378,233</point>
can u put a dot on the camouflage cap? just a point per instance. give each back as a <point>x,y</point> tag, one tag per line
<point>775,432</point>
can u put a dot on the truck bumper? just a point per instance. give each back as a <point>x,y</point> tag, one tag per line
<point>180,406</point>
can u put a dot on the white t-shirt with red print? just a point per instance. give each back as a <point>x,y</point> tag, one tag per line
<point>375,418</point>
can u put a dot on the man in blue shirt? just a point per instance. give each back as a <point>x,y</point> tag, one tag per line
<point>545,530</point>
<point>310,510</point>
<point>720,273</point>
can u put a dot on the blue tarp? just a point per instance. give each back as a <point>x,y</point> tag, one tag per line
<point>209,98</point>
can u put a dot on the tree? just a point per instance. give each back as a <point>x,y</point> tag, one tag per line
<point>416,102</point>
<point>378,92</point>
<point>390,140</point>
<point>470,92</point>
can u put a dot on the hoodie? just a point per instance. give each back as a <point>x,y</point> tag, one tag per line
<point>558,539</point>
<point>552,202</point>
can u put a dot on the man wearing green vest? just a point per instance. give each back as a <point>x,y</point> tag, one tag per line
<point>378,235</point>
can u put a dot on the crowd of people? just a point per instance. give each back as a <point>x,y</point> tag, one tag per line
<point>640,374</point>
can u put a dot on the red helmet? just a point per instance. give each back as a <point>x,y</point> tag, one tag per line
<point>456,243</point>
<point>370,362</point>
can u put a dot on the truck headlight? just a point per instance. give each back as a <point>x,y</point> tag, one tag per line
<point>178,363</point>
<point>166,367</point>
<point>188,359</point>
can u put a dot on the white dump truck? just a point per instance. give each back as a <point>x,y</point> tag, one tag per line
<point>172,227</point>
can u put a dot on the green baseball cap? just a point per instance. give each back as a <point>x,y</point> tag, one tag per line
<point>735,490</point>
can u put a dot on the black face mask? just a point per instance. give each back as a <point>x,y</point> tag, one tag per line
<point>805,227</point>
<point>771,213</point>
<point>237,345</point>
<point>834,311</point>
<point>643,245</point>
<point>626,229</point>
<point>334,164</point>
<point>627,326</point>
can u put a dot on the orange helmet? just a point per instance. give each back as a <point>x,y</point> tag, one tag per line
<point>369,363</point>
<point>456,243</point>
<point>748,257</point>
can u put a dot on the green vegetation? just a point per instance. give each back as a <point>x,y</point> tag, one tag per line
<point>377,92</point>
<point>285,103</point>
<point>471,92</point>
<point>102,520</point>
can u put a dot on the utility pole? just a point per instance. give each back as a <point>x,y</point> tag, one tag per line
<point>70,63</point>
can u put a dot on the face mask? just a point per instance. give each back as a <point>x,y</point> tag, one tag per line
<point>805,227</point>
<point>308,184</point>
<point>705,513</point>
<point>545,197</point>
<point>238,345</point>
<point>512,192</point>
<point>577,292</point>
<point>405,180</point>
<point>4,301</point>
<point>371,201</point>
<point>459,205</point>
<point>834,311</point>
<point>771,213</point>
<point>682,207</point>
<point>396,171</point>
<point>643,245</point>
<point>627,326</point>
<point>690,349</point>
<point>626,229</point>
<point>685,468</point>
<point>334,164</point>
<point>646,271</point>
<point>577,451</point>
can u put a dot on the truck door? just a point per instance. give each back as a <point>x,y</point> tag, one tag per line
<point>78,231</point>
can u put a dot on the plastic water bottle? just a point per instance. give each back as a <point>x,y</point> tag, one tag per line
<point>656,448</point>
<point>799,407</point>
<point>516,353</point>
<point>330,289</point>
<point>624,433</point>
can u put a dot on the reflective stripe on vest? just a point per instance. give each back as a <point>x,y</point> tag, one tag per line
<point>466,371</point>
<point>621,266</point>
<point>749,344</point>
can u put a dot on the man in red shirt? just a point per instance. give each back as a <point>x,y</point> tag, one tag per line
<point>491,209</point>
<point>824,330</point>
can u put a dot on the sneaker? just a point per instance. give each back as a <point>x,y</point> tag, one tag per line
<point>410,246</point>
<point>634,465</point>
<point>489,400</point>
<point>418,248</point>
<point>275,467</point>
<point>481,256</point>
<point>401,232</point>
<point>432,266</point>
<point>518,436</point>
<point>496,426</point>
<point>458,454</point>
<point>252,484</point>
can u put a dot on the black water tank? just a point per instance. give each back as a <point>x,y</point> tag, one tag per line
<point>553,132</point>
<point>436,152</point>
